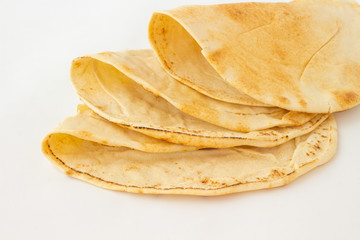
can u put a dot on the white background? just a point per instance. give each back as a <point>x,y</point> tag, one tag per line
<point>38,40</point>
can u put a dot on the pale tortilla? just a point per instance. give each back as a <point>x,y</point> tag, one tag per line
<point>201,172</point>
<point>119,99</point>
<point>91,127</point>
<point>119,73</point>
<point>301,56</point>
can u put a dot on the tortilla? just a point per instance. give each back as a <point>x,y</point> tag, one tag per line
<point>301,56</point>
<point>201,172</point>
<point>120,100</point>
<point>91,127</point>
<point>119,73</point>
<point>143,67</point>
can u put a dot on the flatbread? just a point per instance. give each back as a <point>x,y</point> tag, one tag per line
<point>120,100</point>
<point>301,56</point>
<point>91,127</point>
<point>143,67</point>
<point>119,73</point>
<point>201,172</point>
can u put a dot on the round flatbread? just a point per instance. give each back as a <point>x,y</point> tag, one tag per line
<point>200,172</point>
<point>301,56</point>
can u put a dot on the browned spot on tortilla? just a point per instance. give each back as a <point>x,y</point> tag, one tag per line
<point>163,30</point>
<point>346,98</point>
<point>303,103</point>
<point>105,142</point>
<point>316,147</point>
<point>264,133</point>
<point>132,168</point>
<point>100,108</point>
<point>233,12</point>
<point>279,52</point>
<point>69,172</point>
<point>214,183</point>
<point>205,180</point>
<point>166,64</point>
<point>77,64</point>
<point>215,56</point>
<point>239,13</point>
<point>283,100</point>
<point>275,174</point>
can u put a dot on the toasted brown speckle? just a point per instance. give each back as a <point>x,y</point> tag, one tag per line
<point>283,100</point>
<point>346,98</point>
<point>205,180</point>
<point>303,103</point>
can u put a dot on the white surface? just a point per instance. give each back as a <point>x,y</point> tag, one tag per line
<point>38,40</point>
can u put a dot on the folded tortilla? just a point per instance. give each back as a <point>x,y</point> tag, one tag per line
<point>91,127</point>
<point>301,56</point>
<point>120,99</point>
<point>200,172</point>
<point>127,74</point>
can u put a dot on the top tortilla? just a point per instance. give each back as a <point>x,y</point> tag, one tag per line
<point>301,56</point>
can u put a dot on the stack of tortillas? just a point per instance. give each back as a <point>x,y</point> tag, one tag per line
<point>231,98</point>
